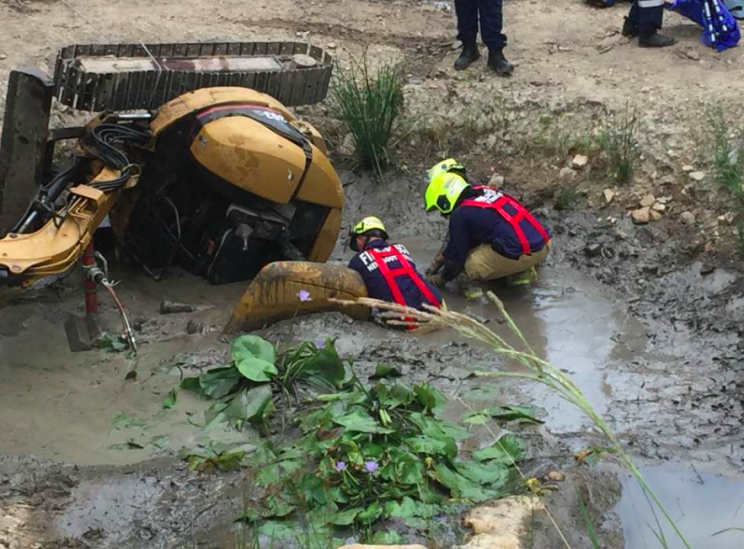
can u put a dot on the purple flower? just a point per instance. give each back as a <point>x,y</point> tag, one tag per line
<point>319,343</point>
<point>370,466</point>
<point>340,466</point>
<point>303,295</point>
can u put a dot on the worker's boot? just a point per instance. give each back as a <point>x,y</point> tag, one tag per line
<point>498,63</point>
<point>468,56</point>
<point>522,279</point>
<point>656,40</point>
<point>630,30</point>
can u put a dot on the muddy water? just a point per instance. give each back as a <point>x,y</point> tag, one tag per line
<point>80,407</point>
<point>568,320</point>
<point>707,507</point>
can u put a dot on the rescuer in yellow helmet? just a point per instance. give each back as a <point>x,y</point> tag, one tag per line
<point>491,235</point>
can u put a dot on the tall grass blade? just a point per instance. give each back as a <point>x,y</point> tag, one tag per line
<point>369,105</point>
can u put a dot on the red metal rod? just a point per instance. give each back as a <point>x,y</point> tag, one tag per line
<point>91,296</point>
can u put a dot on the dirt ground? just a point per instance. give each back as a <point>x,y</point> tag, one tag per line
<point>646,318</point>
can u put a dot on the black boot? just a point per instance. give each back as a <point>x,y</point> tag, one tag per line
<point>498,62</point>
<point>630,30</point>
<point>656,40</point>
<point>469,55</point>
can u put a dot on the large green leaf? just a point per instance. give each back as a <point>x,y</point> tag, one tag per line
<point>515,413</point>
<point>507,450</point>
<point>360,422</point>
<point>219,382</point>
<point>385,371</point>
<point>250,405</point>
<point>460,486</point>
<point>393,396</point>
<point>387,537</point>
<point>491,473</point>
<point>428,445</point>
<point>370,514</point>
<point>345,518</point>
<point>274,529</point>
<point>409,469</point>
<point>254,358</point>
<point>406,508</point>
<point>327,365</point>
<point>430,398</point>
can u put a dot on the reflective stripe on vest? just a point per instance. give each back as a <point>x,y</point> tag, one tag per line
<point>501,200</point>
<point>405,269</point>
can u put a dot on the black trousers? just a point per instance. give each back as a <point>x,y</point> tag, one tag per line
<point>647,16</point>
<point>491,16</point>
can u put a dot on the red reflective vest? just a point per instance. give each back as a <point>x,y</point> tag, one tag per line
<point>497,203</point>
<point>405,269</point>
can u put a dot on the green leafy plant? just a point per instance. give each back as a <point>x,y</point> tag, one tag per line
<point>369,105</point>
<point>619,143</point>
<point>728,160</point>
<point>367,454</point>
<point>538,370</point>
<point>245,390</point>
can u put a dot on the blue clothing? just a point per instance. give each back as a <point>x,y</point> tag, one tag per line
<point>647,19</point>
<point>377,286</point>
<point>491,15</point>
<point>471,226</point>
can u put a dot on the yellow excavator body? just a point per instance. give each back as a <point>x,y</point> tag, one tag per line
<point>225,180</point>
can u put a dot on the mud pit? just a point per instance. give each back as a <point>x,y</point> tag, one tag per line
<point>652,341</point>
<point>81,409</point>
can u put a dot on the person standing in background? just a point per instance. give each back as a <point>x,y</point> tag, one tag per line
<point>645,20</point>
<point>490,13</point>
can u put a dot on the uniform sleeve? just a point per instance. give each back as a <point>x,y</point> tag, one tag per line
<point>458,246</point>
<point>354,264</point>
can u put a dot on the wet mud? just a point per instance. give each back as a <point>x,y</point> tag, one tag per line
<point>649,334</point>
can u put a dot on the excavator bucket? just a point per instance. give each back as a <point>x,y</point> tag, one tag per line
<point>286,289</point>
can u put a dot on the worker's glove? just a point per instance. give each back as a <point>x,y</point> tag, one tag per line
<point>438,280</point>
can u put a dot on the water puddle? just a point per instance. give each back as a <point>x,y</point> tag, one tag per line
<point>707,507</point>
<point>570,321</point>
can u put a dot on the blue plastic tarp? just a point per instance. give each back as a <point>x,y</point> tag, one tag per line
<point>720,29</point>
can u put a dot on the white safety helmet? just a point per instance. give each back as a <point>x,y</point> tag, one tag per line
<point>736,7</point>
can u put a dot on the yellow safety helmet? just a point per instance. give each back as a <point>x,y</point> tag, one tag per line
<point>443,192</point>
<point>445,166</point>
<point>367,224</point>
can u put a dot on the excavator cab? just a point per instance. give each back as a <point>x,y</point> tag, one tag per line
<point>219,178</point>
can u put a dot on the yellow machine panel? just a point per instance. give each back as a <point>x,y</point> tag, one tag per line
<point>274,294</point>
<point>251,156</point>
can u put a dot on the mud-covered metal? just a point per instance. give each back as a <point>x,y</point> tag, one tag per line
<point>144,76</point>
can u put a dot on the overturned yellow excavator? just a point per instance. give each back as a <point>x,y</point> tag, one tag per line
<point>193,161</point>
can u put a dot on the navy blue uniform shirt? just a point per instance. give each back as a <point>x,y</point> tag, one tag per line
<point>470,226</point>
<point>377,287</point>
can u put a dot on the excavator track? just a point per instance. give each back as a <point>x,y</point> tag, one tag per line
<point>99,77</point>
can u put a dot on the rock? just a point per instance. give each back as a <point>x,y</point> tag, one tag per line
<point>655,216</point>
<point>688,168</point>
<point>501,524</point>
<point>347,146</point>
<point>725,219</point>
<point>687,218</point>
<point>707,269</point>
<point>170,307</point>
<point>608,194</point>
<point>648,201</point>
<point>3,56</point>
<point>556,476</point>
<point>693,54</point>
<point>659,207</point>
<point>593,250</point>
<point>579,161</point>
<point>567,174</point>
<point>332,46</point>
<point>496,181</point>
<point>641,216</point>
<point>697,176</point>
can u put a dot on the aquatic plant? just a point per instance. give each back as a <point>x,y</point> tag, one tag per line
<point>538,370</point>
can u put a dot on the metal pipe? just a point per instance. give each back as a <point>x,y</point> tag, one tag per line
<point>91,294</point>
